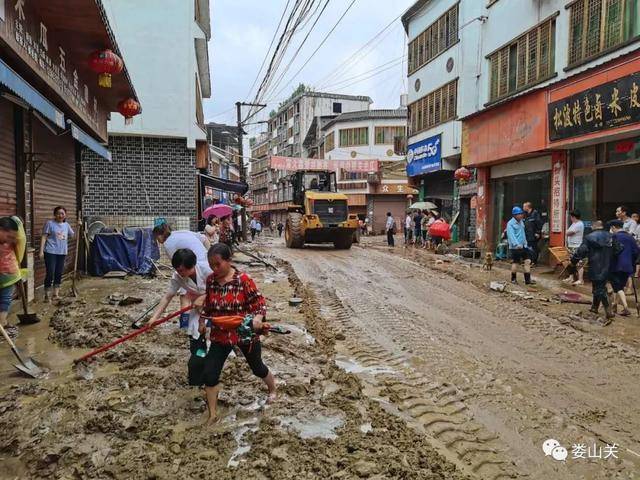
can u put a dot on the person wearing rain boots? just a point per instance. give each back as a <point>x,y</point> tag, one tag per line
<point>54,246</point>
<point>623,265</point>
<point>12,247</point>
<point>518,247</point>
<point>600,248</point>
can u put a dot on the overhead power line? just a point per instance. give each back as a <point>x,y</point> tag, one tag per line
<point>368,77</point>
<point>286,69</point>
<point>266,55</point>
<point>353,55</point>
<point>392,63</point>
<point>318,48</point>
<point>281,46</point>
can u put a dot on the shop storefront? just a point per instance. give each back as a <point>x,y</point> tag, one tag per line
<point>506,144</point>
<point>464,201</point>
<point>574,145</point>
<point>517,182</point>
<point>432,174</point>
<point>389,197</point>
<point>213,190</point>
<point>51,107</point>
<point>597,119</point>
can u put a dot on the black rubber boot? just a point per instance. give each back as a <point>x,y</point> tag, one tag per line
<point>527,279</point>
<point>595,306</point>
<point>513,278</point>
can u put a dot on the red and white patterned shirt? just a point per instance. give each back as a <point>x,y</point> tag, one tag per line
<point>240,296</point>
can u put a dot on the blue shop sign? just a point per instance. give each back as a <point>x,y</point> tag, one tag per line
<point>424,156</point>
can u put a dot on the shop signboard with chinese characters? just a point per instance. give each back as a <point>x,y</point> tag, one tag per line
<point>558,182</point>
<point>320,164</point>
<point>395,189</point>
<point>610,105</point>
<point>424,156</point>
<point>48,55</point>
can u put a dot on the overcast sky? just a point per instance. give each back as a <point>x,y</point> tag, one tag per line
<point>242,31</point>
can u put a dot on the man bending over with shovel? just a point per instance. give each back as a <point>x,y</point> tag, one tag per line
<point>190,276</point>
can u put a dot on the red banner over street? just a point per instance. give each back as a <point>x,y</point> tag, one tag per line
<point>290,163</point>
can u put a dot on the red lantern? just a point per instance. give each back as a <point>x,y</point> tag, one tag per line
<point>129,108</point>
<point>462,175</point>
<point>105,63</point>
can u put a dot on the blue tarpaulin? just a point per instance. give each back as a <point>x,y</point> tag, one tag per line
<point>113,251</point>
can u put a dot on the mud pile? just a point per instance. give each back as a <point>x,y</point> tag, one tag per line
<point>136,417</point>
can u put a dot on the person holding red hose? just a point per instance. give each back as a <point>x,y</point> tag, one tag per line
<point>230,292</point>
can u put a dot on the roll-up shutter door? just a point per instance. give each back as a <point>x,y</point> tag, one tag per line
<point>381,206</point>
<point>7,160</point>
<point>54,184</point>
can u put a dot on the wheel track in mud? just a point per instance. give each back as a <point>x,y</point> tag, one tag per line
<point>440,407</point>
<point>437,408</point>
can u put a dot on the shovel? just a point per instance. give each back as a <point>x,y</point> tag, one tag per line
<point>26,318</point>
<point>26,365</point>
<point>138,322</point>
<point>129,336</point>
<point>74,290</point>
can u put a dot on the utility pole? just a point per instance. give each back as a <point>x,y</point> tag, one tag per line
<point>241,169</point>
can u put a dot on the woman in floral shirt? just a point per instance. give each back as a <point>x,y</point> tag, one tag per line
<point>230,292</point>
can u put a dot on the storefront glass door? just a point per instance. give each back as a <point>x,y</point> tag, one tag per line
<point>510,191</point>
<point>583,196</point>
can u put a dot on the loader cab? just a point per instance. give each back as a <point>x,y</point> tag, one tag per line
<point>312,181</point>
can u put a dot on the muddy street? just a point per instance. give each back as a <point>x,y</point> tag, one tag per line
<point>483,377</point>
<point>131,413</point>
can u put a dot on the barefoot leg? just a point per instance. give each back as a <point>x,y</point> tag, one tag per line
<point>212,402</point>
<point>270,382</point>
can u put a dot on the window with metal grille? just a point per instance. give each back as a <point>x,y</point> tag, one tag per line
<point>434,108</point>
<point>527,60</point>
<point>598,26</point>
<point>435,39</point>
<point>352,137</point>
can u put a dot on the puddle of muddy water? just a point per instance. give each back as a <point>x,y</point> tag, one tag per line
<point>349,365</point>
<point>319,426</point>
<point>243,447</point>
<point>297,330</point>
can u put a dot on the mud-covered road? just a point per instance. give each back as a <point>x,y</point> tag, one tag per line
<point>485,378</point>
<point>131,414</point>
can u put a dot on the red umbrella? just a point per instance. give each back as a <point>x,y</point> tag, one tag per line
<point>219,210</point>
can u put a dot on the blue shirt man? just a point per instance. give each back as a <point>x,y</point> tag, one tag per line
<point>518,246</point>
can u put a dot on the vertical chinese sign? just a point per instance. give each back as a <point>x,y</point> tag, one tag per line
<point>558,198</point>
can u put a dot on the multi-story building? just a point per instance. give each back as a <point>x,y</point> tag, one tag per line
<point>552,114</point>
<point>223,149</point>
<point>155,158</point>
<point>296,119</point>
<point>442,68</point>
<point>51,107</point>
<point>293,132</point>
<point>259,171</point>
<point>369,135</point>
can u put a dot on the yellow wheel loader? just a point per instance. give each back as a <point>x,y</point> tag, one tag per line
<point>319,214</point>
